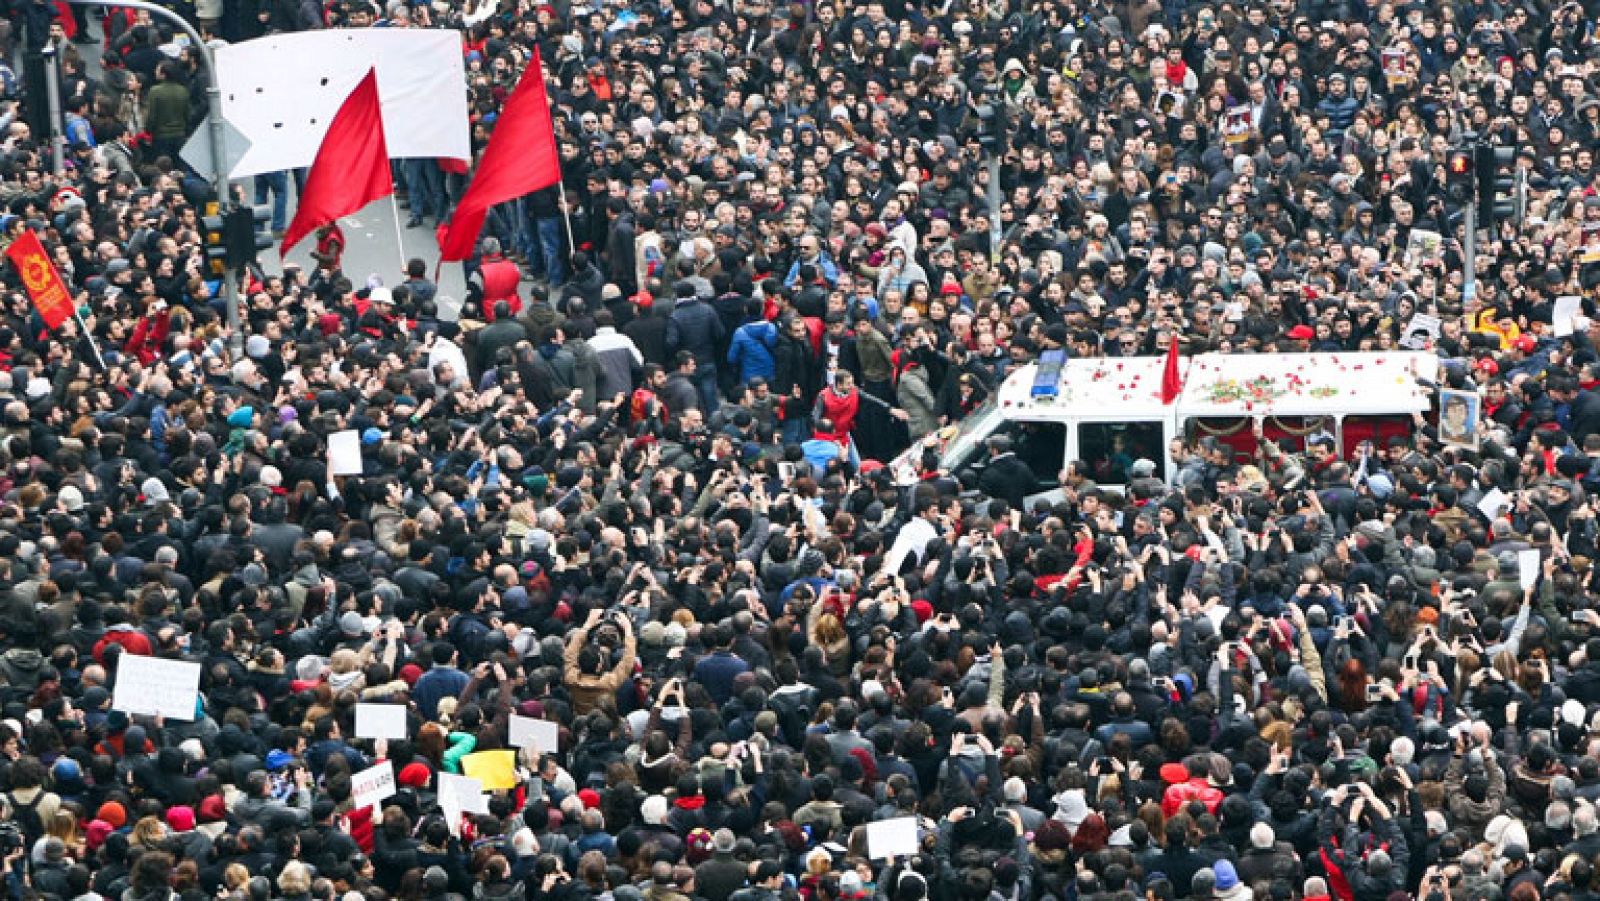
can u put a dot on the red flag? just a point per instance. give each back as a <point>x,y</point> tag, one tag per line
<point>521,158</point>
<point>352,165</point>
<point>1171,382</point>
<point>39,276</point>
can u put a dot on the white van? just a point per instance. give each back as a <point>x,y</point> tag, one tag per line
<point>1107,412</point>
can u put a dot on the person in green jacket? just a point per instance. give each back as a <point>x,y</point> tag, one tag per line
<point>167,112</point>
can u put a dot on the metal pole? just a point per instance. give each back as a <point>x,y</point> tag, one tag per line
<point>1469,250</point>
<point>52,87</point>
<point>994,204</point>
<point>572,249</point>
<point>219,150</point>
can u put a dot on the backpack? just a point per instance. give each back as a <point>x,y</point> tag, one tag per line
<point>27,816</point>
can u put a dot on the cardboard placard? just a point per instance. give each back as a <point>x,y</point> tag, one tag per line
<point>380,721</point>
<point>371,786</point>
<point>344,453</point>
<point>542,736</point>
<point>155,686</point>
<point>1528,565</point>
<point>460,795</point>
<point>1492,503</point>
<point>497,770</point>
<point>1564,314</point>
<point>892,838</point>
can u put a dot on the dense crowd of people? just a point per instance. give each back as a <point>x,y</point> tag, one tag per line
<point>634,483</point>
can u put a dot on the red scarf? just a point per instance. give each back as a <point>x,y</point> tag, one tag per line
<point>842,409</point>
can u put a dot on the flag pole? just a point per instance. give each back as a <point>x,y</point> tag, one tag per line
<point>399,234</point>
<point>566,214</point>
<point>90,335</point>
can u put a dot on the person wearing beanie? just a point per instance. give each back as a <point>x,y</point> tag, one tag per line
<point>1228,886</point>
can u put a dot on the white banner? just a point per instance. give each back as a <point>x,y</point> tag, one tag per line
<point>282,91</point>
<point>154,686</point>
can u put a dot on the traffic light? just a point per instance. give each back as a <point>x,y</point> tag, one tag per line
<point>1458,166</point>
<point>1501,192</point>
<point>991,127</point>
<point>214,226</point>
<point>247,230</point>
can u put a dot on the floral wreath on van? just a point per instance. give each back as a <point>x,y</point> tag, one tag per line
<point>1263,389</point>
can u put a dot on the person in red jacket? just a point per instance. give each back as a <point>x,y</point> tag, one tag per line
<point>132,640</point>
<point>497,278</point>
<point>150,334</point>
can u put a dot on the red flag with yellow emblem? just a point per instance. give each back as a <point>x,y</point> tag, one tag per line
<point>45,288</point>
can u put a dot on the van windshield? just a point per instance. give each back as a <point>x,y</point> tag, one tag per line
<point>978,425</point>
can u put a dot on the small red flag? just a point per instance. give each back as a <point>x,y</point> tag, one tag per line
<point>45,288</point>
<point>521,158</point>
<point>352,165</point>
<point>1171,381</point>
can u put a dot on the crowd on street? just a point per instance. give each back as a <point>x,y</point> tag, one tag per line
<point>669,475</point>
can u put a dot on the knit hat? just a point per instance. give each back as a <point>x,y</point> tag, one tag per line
<point>96,833</point>
<point>590,798</point>
<point>112,812</point>
<point>415,775</point>
<point>212,809</point>
<point>181,818</point>
<point>154,491</point>
<point>1227,877</point>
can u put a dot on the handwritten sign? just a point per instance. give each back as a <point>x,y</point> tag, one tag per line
<point>154,686</point>
<point>371,786</point>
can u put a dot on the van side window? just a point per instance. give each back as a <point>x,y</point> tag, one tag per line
<point>1043,446</point>
<point>1110,448</point>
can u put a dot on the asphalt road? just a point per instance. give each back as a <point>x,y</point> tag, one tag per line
<point>370,249</point>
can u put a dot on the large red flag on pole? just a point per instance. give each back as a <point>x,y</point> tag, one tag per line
<point>352,165</point>
<point>521,158</point>
<point>1171,382</point>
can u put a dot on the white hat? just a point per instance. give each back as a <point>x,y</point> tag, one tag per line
<point>271,476</point>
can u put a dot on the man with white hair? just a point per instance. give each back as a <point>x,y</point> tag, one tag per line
<point>1475,877</point>
<point>1585,833</point>
<point>1267,859</point>
<point>1016,792</point>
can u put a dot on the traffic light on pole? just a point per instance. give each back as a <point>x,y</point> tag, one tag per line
<point>1458,174</point>
<point>1498,186</point>
<point>213,226</point>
